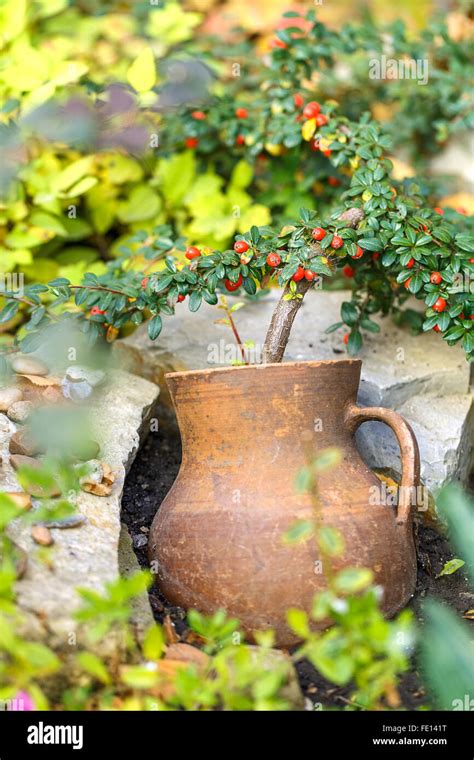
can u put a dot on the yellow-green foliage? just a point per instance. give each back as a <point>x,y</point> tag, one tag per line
<point>68,209</point>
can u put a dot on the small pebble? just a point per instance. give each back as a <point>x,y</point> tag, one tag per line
<point>77,374</point>
<point>9,396</point>
<point>76,391</point>
<point>27,365</point>
<point>6,426</point>
<point>41,535</point>
<point>22,443</point>
<point>20,411</point>
<point>21,499</point>
<point>139,541</point>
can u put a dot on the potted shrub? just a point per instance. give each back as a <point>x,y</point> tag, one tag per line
<point>216,539</point>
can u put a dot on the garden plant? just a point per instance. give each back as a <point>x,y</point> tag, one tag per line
<point>149,168</point>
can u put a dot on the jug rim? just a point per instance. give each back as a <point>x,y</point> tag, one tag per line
<point>239,368</point>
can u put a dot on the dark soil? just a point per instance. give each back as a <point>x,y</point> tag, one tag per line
<point>151,477</point>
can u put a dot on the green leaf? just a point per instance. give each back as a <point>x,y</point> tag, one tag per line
<point>465,242</point>
<point>457,508</point>
<point>94,666</point>
<point>195,300</point>
<point>333,328</point>
<point>9,311</point>
<point>450,567</point>
<point>370,244</point>
<point>446,657</point>
<point>349,313</point>
<point>154,327</point>
<point>154,643</point>
<point>351,580</point>
<point>354,343</point>
<point>331,541</point>
<point>298,622</point>
<point>142,73</point>
<point>299,532</point>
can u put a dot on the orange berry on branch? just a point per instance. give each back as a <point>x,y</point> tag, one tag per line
<point>273,260</point>
<point>311,110</point>
<point>298,275</point>
<point>440,305</point>
<point>231,286</point>
<point>192,252</point>
<point>321,120</point>
<point>240,246</point>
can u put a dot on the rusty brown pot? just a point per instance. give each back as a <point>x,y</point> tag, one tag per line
<point>216,540</point>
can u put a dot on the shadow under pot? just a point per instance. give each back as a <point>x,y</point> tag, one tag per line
<point>216,541</point>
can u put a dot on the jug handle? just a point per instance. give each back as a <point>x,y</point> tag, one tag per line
<point>355,416</point>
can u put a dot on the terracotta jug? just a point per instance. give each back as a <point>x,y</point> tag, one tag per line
<point>216,540</point>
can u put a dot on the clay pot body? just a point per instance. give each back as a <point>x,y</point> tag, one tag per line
<point>217,539</point>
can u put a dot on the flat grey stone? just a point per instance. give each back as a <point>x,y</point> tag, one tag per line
<point>87,556</point>
<point>397,368</point>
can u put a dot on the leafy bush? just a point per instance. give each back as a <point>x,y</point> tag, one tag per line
<point>94,137</point>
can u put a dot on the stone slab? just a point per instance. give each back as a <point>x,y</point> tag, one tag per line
<point>86,556</point>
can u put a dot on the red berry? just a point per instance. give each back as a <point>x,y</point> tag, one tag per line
<point>436,278</point>
<point>298,275</point>
<point>240,140</point>
<point>241,246</point>
<point>327,153</point>
<point>348,271</point>
<point>311,110</point>
<point>333,181</point>
<point>337,242</point>
<point>181,297</point>
<point>198,115</point>
<point>375,256</point>
<point>191,142</point>
<point>471,261</point>
<point>273,259</point>
<point>309,275</point>
<point>436,328</point>
<point>346,338</point>
<point>439,210</point>
<point>95,310</point>
<point>144,282</point>
<point>359,253</point>
<point>407,283</point>
<point>461,210</point>
<point>298,100</point>
<point>314,144</point>
<point>472,316</point>
<point>241,113</point>
<point>424,228</point>
<point>318,233</point>
<point>231,286</point>
<point>192,252</point>
<point>278,43</point>
<point>321,119</point>
<point>410,263</point>
<point>440,305</point>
